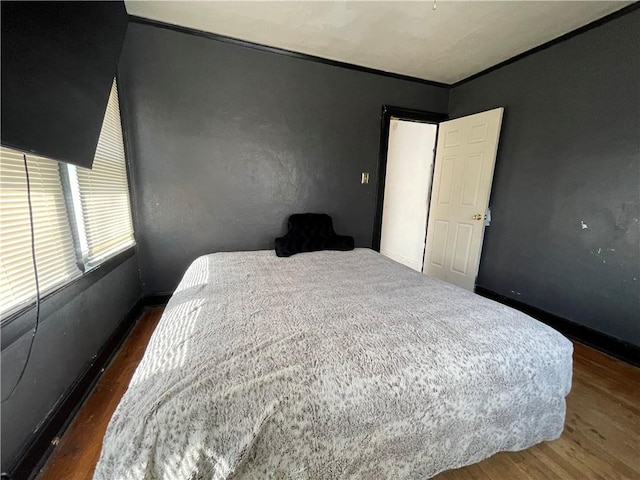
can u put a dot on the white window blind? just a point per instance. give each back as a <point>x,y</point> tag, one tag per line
<point>55,254</point>
<point>101,195</point>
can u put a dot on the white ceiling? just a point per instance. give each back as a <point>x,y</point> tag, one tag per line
<point>458,39</point>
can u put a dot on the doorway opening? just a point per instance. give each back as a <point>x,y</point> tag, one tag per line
<point>405,168</point>
<point>459,188</point>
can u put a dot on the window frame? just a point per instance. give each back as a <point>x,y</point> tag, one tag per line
<point>74,209</point>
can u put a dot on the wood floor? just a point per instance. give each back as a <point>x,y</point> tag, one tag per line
<point>601,439</point>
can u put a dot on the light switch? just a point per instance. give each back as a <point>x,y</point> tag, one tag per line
<point>365,178</point>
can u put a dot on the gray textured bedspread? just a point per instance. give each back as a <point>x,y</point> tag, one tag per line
<point>332,365</point>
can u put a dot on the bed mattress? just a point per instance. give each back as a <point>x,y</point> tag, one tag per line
<point>332,365</point>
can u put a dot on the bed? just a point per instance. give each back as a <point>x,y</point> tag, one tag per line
<point>332,365</point>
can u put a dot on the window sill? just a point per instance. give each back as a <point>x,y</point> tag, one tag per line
<point>96,262</point>
<point>13,330</point>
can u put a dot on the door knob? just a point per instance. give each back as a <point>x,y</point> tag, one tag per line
<point>479,216</point>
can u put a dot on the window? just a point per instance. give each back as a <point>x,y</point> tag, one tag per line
<point>55,255</point>
<point>101,195</point>
<point>81,217</point>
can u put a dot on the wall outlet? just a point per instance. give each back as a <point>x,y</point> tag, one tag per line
<point>365,178</point>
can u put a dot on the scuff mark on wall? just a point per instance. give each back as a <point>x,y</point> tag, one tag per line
<point>625,222</point>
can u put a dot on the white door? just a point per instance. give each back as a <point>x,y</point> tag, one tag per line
<point>465,157</point>
<point>406,191</point>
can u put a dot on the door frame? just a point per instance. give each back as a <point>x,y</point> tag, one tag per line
<point>406,114</point>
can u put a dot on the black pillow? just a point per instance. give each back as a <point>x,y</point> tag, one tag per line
<point>311,232</point>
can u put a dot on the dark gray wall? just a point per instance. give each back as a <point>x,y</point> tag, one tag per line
<point>75,323</point>
<point>227,141</point>
<point>569,155</point>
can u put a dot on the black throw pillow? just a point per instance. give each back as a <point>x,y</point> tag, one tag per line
<point>311,232</point>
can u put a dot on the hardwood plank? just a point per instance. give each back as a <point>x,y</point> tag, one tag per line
<point>600,428</point>
<point>609,375</point>
<point>560,464</point>
<point>471,472</point>
<point>503,465</point>
<point>537,468</point>
<point>601,439</point>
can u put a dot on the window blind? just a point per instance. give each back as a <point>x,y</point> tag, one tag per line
<point>54,248</point>
<point>103,192</point>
